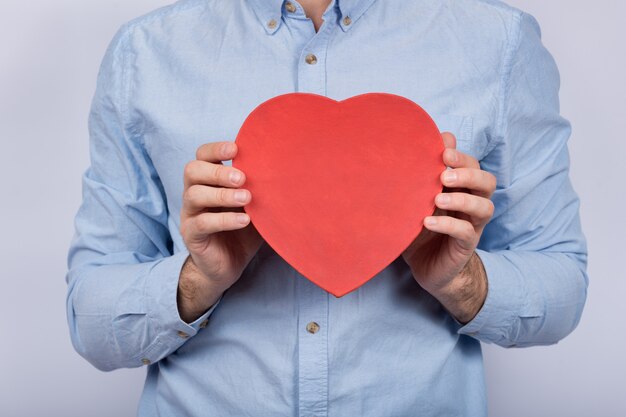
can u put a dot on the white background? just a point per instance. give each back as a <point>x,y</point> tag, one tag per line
<point>49,57</point>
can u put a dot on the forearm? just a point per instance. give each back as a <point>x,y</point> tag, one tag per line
<point>195,295</point>
<point>534,298</point>
<point>465,294</point>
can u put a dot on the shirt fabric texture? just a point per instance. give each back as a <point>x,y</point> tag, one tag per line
<point>190,73</point>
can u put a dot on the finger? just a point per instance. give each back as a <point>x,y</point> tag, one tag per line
<point>449,140</point>
<point>216,151</point>
<point>479,182</point>
<point>457,159</point>
<point>459,229</point>
<point>200,197</point>
<point>201,226</point>
<point>207,173</point>
<point>479,209</point>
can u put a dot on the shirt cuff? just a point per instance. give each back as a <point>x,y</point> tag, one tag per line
<point>161,294</point>
<point>499,315</point>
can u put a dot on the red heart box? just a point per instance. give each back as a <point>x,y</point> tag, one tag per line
<point>340,188</point>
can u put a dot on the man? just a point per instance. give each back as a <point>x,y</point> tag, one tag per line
<point>166,270</point>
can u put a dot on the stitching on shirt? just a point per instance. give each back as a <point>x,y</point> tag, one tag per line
<point>468,131</point>
<point>155,347</point>
<point>507,66</point>
<point>125,81</point>
<point>127,30</point>
<point>330,36</point>
<point>362,12</point>
<point>179,6</point>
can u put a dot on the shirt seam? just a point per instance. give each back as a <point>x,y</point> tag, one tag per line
<point>128,30</point>
<point>125,82</point>
<point>505,78</point>
<point>150,17</point>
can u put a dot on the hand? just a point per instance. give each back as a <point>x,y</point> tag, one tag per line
<point>443,258</point>
<point>218,234</point>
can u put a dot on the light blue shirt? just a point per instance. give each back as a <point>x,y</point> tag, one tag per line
<point>190,73</point>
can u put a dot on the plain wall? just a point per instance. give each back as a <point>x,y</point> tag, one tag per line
<point>49,57</point>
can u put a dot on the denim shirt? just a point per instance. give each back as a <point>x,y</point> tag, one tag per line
<point>190,73</point>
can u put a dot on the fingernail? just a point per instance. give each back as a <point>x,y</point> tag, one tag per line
<point>449,176</point>
<point>443,199</point>
<point>430,221</point>
<point>227,149</point>
<point>241,196</point>
<point>242,218</point>
<point>235,177</point>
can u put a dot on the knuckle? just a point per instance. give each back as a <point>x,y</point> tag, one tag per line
<point>470,176</point>
<point>491,208</point>
<point>468,231</point>
<point>187,171</point>
<point>184,228</point>
<point>446,222</point>
<point>471,161</point>
<point>191,170</point>
<point>463,161</point>
<point>462,202</point>
<point>218,172</point>
<point>493,181</point>
<point>192,195</point>
<point>200,223</point>
<point>187,196</point>
<point>223,221</point>
<point>220,196</point>
<point>201,151</point>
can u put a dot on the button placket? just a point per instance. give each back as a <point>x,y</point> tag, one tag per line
<point>312,300</point>
<point>312,62</point>
<point>312,348</point>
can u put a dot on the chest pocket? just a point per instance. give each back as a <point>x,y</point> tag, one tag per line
<point>462,128</point>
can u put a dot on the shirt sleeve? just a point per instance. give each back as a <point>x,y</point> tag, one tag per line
<point>122,275</point>
<point>533,250</point>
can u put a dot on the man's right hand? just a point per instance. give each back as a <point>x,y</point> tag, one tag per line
<point>218,234</point>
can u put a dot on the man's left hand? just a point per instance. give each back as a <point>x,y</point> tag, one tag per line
<point>443,258</point>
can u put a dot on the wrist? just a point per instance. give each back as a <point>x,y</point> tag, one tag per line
<point>465,295</point>
<point>196,293</point>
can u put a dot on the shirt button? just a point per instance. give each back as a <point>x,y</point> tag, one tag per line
<point>272,23</point>
<point>347,21</point>
<point>204,324</point>
<point>183,335</point>
<point>290,7</point>
<point>146,361</point>
<point>312,327</point>
<point>311,59</point>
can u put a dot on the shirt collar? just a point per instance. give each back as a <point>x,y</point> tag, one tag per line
<point>269,12</point>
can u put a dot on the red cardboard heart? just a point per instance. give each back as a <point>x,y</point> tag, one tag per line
<point>340,188</point>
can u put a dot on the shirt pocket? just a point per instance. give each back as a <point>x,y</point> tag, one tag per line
<point>462,128</point>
